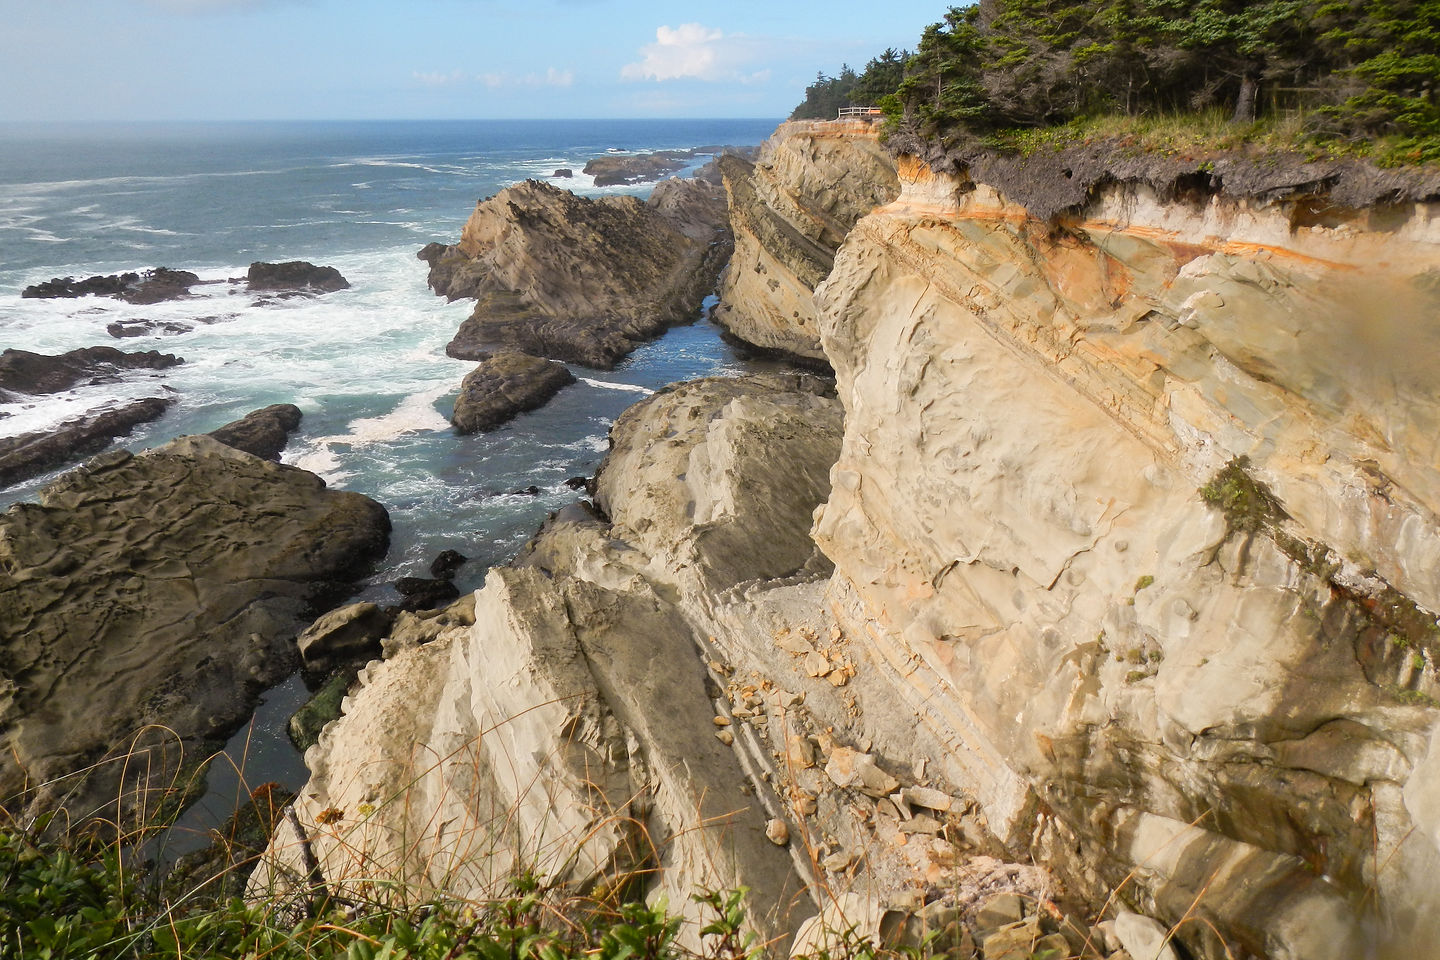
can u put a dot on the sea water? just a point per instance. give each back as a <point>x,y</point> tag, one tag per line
<point>365,365</point>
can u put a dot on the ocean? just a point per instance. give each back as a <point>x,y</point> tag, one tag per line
<point>365,365</point>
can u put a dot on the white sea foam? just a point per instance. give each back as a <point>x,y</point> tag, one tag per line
<point>607,385</point>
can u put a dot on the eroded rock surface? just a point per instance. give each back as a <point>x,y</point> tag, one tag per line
<point>166,589</point>
<point>504,386</point>
<point>151,286</point>
<point>1119,511</point>
<point>574,279</point>
<point>789,211</point>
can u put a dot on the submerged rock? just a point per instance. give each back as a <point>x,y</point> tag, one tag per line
<point>297,275</point>
<point>263,432</point>
<point>124,329</point>
<point>574,279</point>
<point>444,565</point>
<point>32,454</point>
<point>162,589</point>
<point>503,386</point>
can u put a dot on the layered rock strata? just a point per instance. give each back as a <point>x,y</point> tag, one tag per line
<point>789,211</point>
<point>575,279</point>
<point>504,386</point>
<point>1137,511</point>
<point>137,630</point>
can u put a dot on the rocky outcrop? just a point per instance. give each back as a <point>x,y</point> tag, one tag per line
<point>504,386</point>
<point>31,454</point>
<point>1137,513</point>
<point>262,433</point>
<point>36,373</point>
<point>574,279</point>
<point>789,211</point>
<point>151,286</point>
<point>299,276</point>
<point>136,630</point>
<point>346,635</point>
<point>613,170</point>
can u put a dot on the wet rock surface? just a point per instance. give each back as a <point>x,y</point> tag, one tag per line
<point>150,286</point>
<point>263,433</point>
<point>121,608</point>
<point>504,386</point>
<point>36,373</point>
<point>32,454</point>
<point>295,275</point>
<point>574,279</point>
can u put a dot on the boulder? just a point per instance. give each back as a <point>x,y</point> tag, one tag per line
<point>145,603</point>
<point>32,454</point>
<point>307,723</point>
<point>296,275</point>
<point>503,386</point>
<point>36,373</point>
<point>570,278</point>
<point>125,329</point>
<point>346,635</point>
<point>263,432</point>
<point>564,173</point>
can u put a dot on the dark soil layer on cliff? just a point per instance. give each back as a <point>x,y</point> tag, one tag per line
<point>1049,182</point>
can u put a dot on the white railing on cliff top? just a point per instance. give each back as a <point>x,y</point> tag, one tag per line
<point>859,113</point>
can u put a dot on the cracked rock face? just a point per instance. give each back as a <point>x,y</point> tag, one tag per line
<point>789,212</point>
<point>576,279</point>
<point>1140,517</point>
<point>120,607</point>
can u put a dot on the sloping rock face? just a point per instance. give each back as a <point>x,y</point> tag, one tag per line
<point>1137,512</point>
<point>31,454</point>
<point>262,433</point>
<point>789,212</point>
<point>121,608</point>
<point>569,726</point>
<point>574,279</point>
<point>36,373</point>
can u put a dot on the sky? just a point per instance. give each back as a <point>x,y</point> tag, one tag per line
<point>140,60</point>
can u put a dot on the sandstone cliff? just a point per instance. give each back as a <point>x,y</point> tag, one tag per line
<point>577,279</point>
<point>789,212</point>
<point>1127,572</point>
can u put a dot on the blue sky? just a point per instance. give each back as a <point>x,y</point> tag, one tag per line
<point>75,60</point>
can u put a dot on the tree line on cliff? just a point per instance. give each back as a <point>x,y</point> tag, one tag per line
<point>1353,69</point>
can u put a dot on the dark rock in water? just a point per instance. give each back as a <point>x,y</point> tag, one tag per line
<point>306,725</point>
<point>614,171</point>
<point>530,491</point>
<point>564,173</point>
<point>122,329</point>
<point>264,432</point>
<point>295,275</point>
<point>503,386</point>
<point>32,454</point>
<point>152,286</point>
<point>35,373</point>
<point>578,483</point>
<point>443,567</point>
<point>422,594</point>
<point>344,636</point>
<point>576,279</point>
<point>167,589</point>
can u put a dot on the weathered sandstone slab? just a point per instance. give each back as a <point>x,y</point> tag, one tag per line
<point>36,373</point>
<point>165,589</point>
<point>31,454</point>
<point>263,432</point>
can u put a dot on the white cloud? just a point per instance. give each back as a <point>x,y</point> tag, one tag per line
<point>435,78</point>
<point>695,51</point>
<point>552,77</point>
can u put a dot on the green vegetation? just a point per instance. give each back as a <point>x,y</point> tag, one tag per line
<point>827,95</point>
<point>1333,77</point>
<point>61,899</point>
